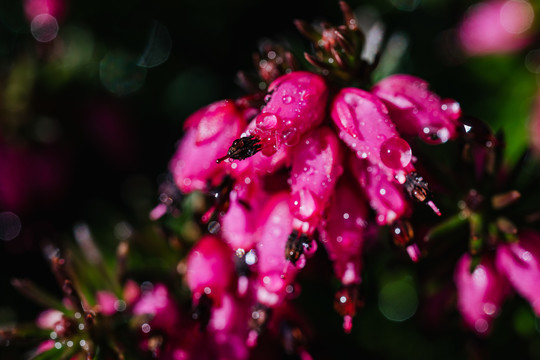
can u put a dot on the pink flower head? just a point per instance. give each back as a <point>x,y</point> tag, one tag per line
<point>159,304</point>
<point>48,318</point>
<point>296,103</point>
<point>277,224</point>
<point>315,169</point>
<point>520,263</point>
<point>55,8</point>
<point>365,126</point>
<point>229,328</point>
<point>342,231</point>
<point>385,196</point>
<point>208,133</point>
<point>210,268</point>
<point>480,293</point>
<point>106,301</point>
<point>239,223</point>
<point>416,111</point>
<point>496,27</point>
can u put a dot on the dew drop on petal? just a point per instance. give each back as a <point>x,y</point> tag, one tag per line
<point>290,137</point>
<point>287,99</point>
<point>266,121</point>
<point>396,153</point>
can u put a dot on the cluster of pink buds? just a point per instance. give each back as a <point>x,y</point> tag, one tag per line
<point>304,163</point>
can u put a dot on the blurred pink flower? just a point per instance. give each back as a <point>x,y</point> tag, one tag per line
<point>520,263</point>
<point>480,292</point>
<point>496,27</point>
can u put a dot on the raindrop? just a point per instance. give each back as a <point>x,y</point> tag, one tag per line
<point>158,48</point>
<point>266,121</point>
<point>290,136</point>
<point>251,257</point>
<point>44,27</point>
<point>10,226</point>
<point>396,153</point>
<point>287,99</point>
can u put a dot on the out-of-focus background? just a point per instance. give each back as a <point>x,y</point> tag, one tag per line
<point>93,95</point>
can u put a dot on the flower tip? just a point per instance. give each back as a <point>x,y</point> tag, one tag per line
<point>251,340</point>
<point>414,252</point>
<point>347,324</point>
<point>434,207</point>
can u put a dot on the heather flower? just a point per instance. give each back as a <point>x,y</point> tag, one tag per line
<point>519,262</point>
<point>295,103</point>
<point>480,292</point>
<point>342,233</point>
<point>384,196</point>
<point>210,269</point>
<point>416,111</point>
<point>160,306</point>
<point>209,132</point>
<point>496,27</point>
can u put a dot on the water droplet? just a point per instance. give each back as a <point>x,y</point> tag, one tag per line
<point>396,153</point>
<point>145,328</point>
<point>451,108</point>
<point>214,227</point>
<point>266,121</point>
<point>286,99</point>
<point>290,136</point>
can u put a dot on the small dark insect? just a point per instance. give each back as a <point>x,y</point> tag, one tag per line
<point>242,148</point>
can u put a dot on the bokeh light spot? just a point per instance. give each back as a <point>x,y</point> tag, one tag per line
<point>44,27</point>
<point>10,226</point>
<point>398,300</point>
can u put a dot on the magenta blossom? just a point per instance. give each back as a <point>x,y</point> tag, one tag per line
<point>520,263</point>
<point>480,292</point>
<point>416,111</point>
<point>209,132</point>
<point>159,305</point>
<point>210,269</point>
<point>295,104</point>
<point>496,27</point>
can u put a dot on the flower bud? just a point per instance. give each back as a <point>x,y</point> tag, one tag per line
<point>496,27</point>
<point>480,292</point>
<point>208,133</point>
<point>384,195</point>
<point>315,169</point>
<point>276,225</point>
<point>210,268</point>
<point>416,111</point>
<point>519,262</point>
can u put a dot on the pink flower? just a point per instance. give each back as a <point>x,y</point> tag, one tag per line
<point>315,169</point>
<point>343,236</point>
<point>519,262</point>
<point>276,225</point>
<point>480,292</point>
<point>209,132</point>
<point>496,27</point>
<point>106,301</point>
<point>385,196</point>
<point>416,111</point>
<point>210,269</point>
<point>296,103</point>
<point>160,305</point>
<point>342,231</point>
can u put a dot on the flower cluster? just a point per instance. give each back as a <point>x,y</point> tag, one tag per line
<point>307,160</point>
